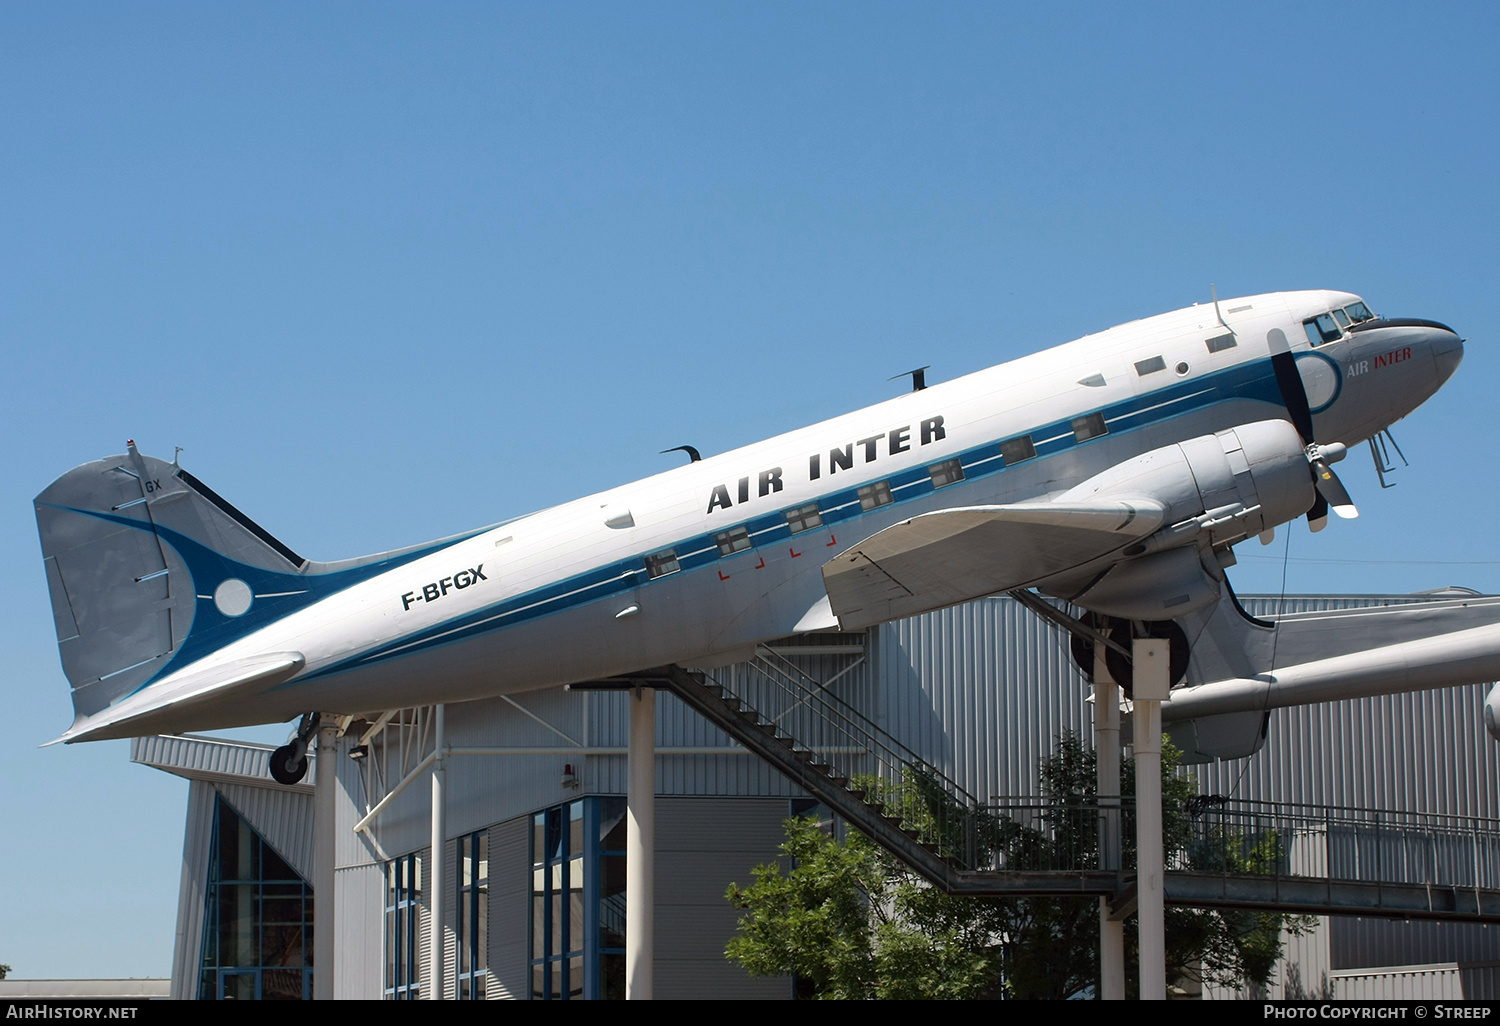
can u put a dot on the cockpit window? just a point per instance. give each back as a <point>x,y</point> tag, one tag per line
<point>1321,329</point>
<point>1358,312</point>
<point>1339,316</point>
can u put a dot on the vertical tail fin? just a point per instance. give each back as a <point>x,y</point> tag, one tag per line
<point>125,541</point>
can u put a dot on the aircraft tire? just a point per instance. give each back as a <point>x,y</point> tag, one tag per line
<point>289,763</point>
<point>1120,667</point>
<point>1082,649</point>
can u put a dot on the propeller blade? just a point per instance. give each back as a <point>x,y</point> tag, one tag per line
<point>1332,490</point>
<point>1289,382</point>
<point>1317,516</point>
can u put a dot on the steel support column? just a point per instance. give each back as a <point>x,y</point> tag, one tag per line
<point>640,848</point>
<point>325,810</point>
<point>435,875</point>
<point>1150,686</point>
<point>1107,760</point>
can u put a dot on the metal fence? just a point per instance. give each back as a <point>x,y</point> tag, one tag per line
<point>1211,835</point>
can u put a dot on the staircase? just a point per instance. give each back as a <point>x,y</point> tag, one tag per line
<point>837,755</point>
<point>1021,847</point>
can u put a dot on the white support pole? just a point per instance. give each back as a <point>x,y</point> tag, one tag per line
<point>325,809</point>
<point>435,876</point>
<point>1107,759</point>
<point>1151,685</point>
<point>640,848</point>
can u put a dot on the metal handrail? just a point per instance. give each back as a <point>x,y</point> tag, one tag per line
<point>1268,839</point>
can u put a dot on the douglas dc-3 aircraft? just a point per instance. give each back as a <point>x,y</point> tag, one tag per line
<point>1114,472</point>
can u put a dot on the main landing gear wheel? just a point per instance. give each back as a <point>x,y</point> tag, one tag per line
<point>289,762</point>
<point>1082,649</point>
<point>1120,667</point>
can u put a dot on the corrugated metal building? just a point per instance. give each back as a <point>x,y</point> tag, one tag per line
<point>534,894</point>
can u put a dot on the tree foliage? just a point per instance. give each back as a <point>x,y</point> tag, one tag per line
<point>848,920</point>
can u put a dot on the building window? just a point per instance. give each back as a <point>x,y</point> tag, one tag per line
<point>473,913</point>
<point>403,928</point>
<point>876,495</point>
<point>557,938</point>
<point>578,900</point>
<point>1088,427</point>
<point>662,563</point>
<point>258,916</point>
<point>736,539</point>
<point>1018,450</point>
<point>946,473</point>
<point>804,518</point>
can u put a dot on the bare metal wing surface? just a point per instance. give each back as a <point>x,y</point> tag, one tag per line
<point>951,556</point>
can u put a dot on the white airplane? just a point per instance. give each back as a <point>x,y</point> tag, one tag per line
<point>1114,472</point>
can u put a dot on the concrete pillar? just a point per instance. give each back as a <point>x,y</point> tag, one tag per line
<point>1151,685</point>
<point>640,848</point>
<point>436,877</point>
<point>1107,758</point>
<point>325,810</point>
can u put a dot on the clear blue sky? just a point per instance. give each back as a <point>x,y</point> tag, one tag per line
<point>388,272</point>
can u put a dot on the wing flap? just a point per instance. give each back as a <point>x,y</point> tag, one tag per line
<point>949,556</point>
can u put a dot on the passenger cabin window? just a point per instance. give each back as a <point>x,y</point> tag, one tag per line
<point>946,473</point>
<point>1359,312</point>
<point>1018,450</point>
<point>804,518</point>
<point>876,495</point>
<point>1088,427</point>
<point>1219,343</point>
<point>1151,366</point>
<point>662,563</point>
<point>736,539</point>
<point>1321,329</point>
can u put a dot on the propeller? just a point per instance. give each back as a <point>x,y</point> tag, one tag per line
<point>1330,490</point>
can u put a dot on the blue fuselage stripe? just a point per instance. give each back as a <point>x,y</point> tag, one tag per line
<point>1255,381</point>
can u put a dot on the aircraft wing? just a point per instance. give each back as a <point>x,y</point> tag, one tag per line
<point>949,556</point>
<point>191,688</point>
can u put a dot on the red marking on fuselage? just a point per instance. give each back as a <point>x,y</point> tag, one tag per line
<point>762,564</point>
<point>833,539</point>
<point>723,576</point>
<point>1394,356</point>
<point>793,551</point>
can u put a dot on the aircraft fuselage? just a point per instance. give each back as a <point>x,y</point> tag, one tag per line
<point>700,563</point>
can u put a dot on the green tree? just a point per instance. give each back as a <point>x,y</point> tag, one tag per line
<point>849,921</point>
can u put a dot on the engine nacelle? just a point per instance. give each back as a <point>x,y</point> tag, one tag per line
<point>1218,489</point>
<point>1254,465</point>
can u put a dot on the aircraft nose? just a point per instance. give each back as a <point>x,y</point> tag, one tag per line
<point>1447,350</point>
<point>1441,341</point>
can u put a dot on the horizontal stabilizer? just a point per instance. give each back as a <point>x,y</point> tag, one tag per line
<point>190,689</point>
<point>949,556</point>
